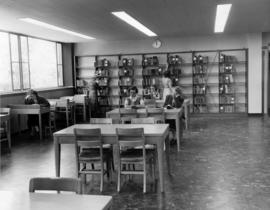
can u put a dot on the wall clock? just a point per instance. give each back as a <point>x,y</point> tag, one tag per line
<point>157,43</point>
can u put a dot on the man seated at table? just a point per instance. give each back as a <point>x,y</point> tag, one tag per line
<point>174,101</point>
<point>32,97</point>
<point>133,100</point>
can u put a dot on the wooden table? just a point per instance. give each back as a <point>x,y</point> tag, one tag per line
<point>5,118</point>
<point>22,109</point>
<point>49,201</point>
<point>154,134</point>
<point>186,105</point>
<point>172,114</point>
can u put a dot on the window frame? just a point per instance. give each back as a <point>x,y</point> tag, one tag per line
<point>21,63</point>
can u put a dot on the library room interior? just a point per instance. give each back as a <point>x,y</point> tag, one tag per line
<point>157,104</point>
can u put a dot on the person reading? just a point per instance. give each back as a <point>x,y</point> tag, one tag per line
<point>133,100</point>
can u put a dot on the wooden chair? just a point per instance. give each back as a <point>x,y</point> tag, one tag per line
<point>150,103</point>
<point>130,138</point>
<point>106,147</point>
<point>5,127</point>
<point>157,113</point>
<point>126,114</point>
<point>80,106</point>
<point>85,141</point>
<point>58,184</point>
<point>64,106</point>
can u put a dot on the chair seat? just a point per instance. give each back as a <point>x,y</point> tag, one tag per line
<point>147,147</point>
<point>89,154</point>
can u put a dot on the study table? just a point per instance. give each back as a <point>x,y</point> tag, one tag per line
<point>156,134</point>
<point>186,105</point>
<point>35,109</point>
<point>172,114</point>
<point>10,200</point>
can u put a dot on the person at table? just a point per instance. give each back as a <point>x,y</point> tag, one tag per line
<point>167,84</point>
<point>32,97</point>
<point>133,100</point>
<point>174,101</point>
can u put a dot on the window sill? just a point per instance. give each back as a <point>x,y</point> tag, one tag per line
<point>39,90</point>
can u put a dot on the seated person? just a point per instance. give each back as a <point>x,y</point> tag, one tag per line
<point>154,93</point>
<point>133,100</point>
<point>32,97</point>
<point>174,101</point>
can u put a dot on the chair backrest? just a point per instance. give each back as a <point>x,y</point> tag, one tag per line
<point>130,137</point>
<point>143,120</point>
<point>157,113</point>
<point>4,110</point>
<point>88,137</point>
<point>100,120</point>
<point>80,98</point>
<point>150,102</point>
<point>58,184</point>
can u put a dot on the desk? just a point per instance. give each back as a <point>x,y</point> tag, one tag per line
<point>21,109</point>
<point>172,114</point>
<point>5,118</point>
<point>154,134</point>
<point>49,201</point>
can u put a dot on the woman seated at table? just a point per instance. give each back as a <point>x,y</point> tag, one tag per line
<point>133,100</point>
<point>32,97</point>
<point>174,101</point>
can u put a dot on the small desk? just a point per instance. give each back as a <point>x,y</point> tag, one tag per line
<point>186,105</point>
<point>154,134</point>
<point>22,109</point>
<point>172,114</point>
<point>5,118</point>
<point>49,201</point>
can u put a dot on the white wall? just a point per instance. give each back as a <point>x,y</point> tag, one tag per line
<point>251,41</point>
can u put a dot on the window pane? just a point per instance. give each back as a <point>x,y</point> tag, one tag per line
<point>59,53</point>
<point>5,78</point>
<point>26,82</point>
<point>14,48</point>
<point>60,75</point>
<point>16,76</point>
<point>24,49</point>
<point>42,60</point>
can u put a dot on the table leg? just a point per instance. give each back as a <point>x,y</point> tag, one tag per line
<point>167,142</point>
<point>160,148</point>
<point>8,134</point>
<point>178,131</point>
<point>40,126</point>
<point>57,150</point>
<point>84,112</point>
<point>67,116</point>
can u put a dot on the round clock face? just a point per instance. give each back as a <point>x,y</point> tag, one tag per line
<point>156,44</point>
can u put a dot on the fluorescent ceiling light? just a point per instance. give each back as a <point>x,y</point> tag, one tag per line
<point>131,21</point>
<point>222,15</point>
<point>53,27</point>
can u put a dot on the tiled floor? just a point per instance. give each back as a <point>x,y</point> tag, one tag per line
<point>224,164</point>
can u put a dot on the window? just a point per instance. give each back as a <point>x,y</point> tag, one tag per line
<point>5,72</point>
<point>29,63</point>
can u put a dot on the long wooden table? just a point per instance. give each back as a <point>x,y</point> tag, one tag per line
<point>49,201</point>
<point>22,109</point>
<point>170,114</point>
<point>5,118</point>
<point>154,134</point>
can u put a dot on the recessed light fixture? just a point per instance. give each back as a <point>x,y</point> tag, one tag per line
<point>222,15</point>
<point>133,22</point>
<point>53,27</point>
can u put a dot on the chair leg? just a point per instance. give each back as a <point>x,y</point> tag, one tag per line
<point>119,177</point>
<point>102,176</point>
<point>144,177</point>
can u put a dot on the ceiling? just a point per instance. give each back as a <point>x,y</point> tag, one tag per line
<point>167,18</point>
